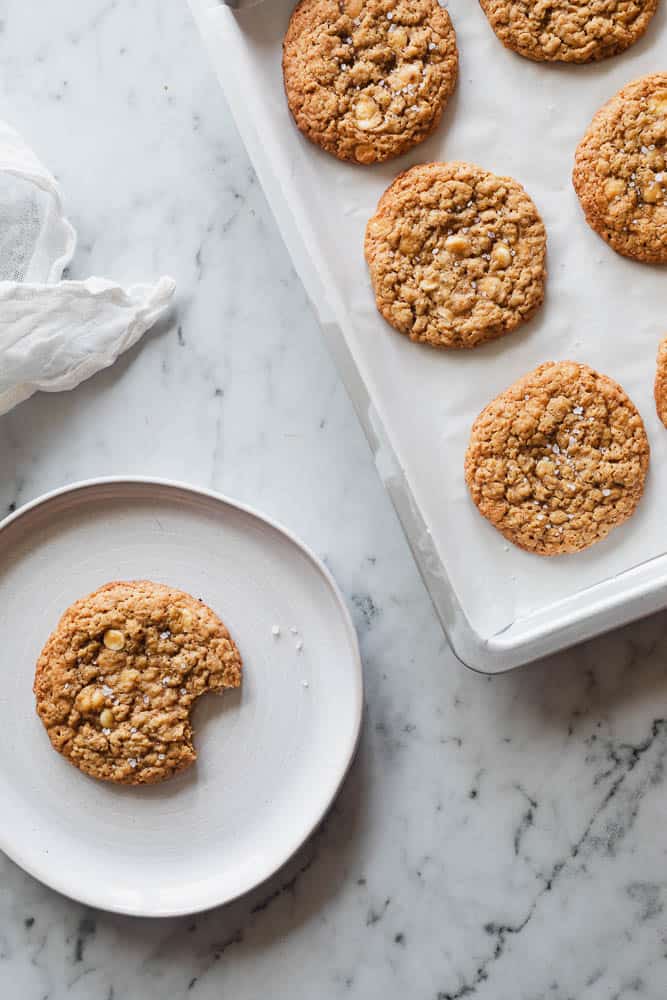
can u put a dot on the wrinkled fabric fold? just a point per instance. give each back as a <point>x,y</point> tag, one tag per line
<point>53,337</point>
<point>54,334</point>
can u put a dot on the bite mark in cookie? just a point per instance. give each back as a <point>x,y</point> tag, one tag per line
<point>117,679</point>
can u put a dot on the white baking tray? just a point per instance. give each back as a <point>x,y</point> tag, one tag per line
<point>500,607</point>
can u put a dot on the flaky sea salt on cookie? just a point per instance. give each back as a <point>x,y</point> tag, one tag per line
<point>457,255</point>
<point>117,680</point>
<point>368,79</point>
<point>558,459</point>
<point>620,171</point>
<point>575,31</point>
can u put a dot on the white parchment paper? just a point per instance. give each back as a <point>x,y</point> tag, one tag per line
<point>513,117</point>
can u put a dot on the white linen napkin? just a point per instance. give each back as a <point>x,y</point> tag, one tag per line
<point>54,333</point>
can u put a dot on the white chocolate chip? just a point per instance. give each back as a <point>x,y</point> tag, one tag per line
<point>409,74</point>
<point>614,188</point>
<point>106,718</point>
<point>658,103</point>
<point>651,193</point>
<point>113,639</point>
<point>83,702</point>
<point>501,257</point>
<point>97,699</point>
<point>457,244</point>
<point>367,113</point>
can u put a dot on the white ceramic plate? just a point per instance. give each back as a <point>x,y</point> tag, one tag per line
<point>271,758</point>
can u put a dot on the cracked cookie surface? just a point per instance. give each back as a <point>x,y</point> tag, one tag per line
<point>369,79</point>
<point>576,31</point>
<point>620,171</point>
<point>456,255</point>
<point>117,679</point>
<point>558,459</point>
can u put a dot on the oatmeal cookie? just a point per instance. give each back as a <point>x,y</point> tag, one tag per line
<point>661,382</point>
<point>575,31</point>
<point>558,459</point>
<point>369,79</point>
<point>117,679</point>
<point>456,255</point>
<point>620,171</point>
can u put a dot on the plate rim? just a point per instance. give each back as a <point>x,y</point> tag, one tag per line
<point>59,884</point>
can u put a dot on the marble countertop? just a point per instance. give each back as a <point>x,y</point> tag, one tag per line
<point>497,838</point>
